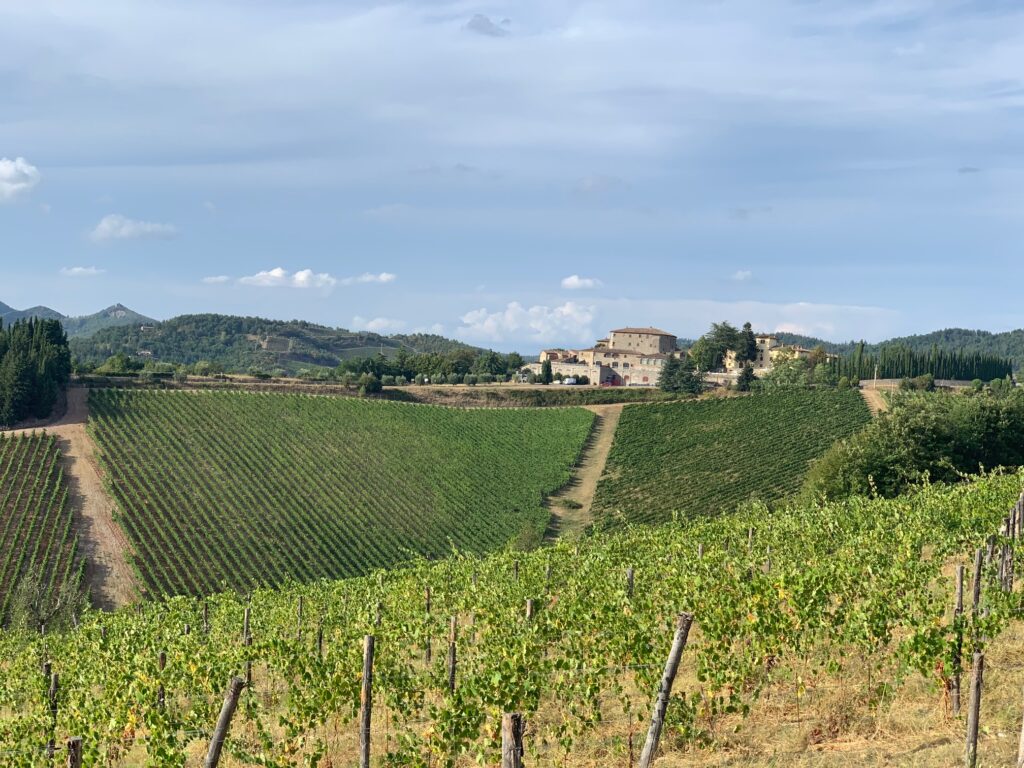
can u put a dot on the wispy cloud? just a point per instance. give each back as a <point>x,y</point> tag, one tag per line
<point>368,277</point>
<point>279,277</point>
<point>282,278</point>
<point>576,283</point>
<point>568,322</point>
<point>377,324</point>
<point>114,226</point>
<point>82,271</point>
<point>598,184</point>
<point>483,25</point>
<point>17,177</point>
<point>967,169</point>
<point>216,279</point>
<point>742,275</point>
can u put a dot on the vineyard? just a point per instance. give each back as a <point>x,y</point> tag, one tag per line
<point>35,519</point>
<point>232,490</point>
<point>704,457</point>
<point>787,606</point>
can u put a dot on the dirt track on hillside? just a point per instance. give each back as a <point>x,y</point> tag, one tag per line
<point>100,539</point>
<point>583,485</point>
<point>876,401</point>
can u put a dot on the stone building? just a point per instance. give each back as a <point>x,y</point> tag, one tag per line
<point>769,351</point>
<point>627,357</point>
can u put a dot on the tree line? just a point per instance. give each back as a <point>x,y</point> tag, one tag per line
<point>34,367</point>
<point>899,361</point>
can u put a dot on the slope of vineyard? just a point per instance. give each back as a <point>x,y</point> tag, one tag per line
<point>35,518</point>
<point>233,489</point>
<point>703,457</point>
<point>789,606</point>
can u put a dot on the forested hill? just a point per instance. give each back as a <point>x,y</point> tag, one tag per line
<point>85,325</point>
<point>1007,344</point>
<point>241,343</point>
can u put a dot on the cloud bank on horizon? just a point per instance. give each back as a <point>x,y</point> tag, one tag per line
<point>828,168</point>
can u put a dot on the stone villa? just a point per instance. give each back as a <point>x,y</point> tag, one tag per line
<point>634,357</point>
<point>627,357</point>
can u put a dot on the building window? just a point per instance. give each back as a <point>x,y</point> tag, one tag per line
<point>615,365</point>
<point>625,365</point>
<point>645,379</point>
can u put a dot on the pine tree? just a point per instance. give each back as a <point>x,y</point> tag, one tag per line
<point>546,377</point>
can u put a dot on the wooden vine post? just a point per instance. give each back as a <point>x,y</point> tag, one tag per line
<point>452,637</point>
<point>366,703</point>
<point>974,711</point>
<point>74,750</point>
<point>220,732</point>
<point>683,625</point>
<point>512,740</point>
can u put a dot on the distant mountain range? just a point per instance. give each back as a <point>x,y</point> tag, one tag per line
<point>117,315</point>
<point>241,343</point>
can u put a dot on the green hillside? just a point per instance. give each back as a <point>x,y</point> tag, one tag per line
<point>240,343</point>
<point>237,489</point>
<point>703,457</point>
<point>816,630</point>
<point>1007,344</point>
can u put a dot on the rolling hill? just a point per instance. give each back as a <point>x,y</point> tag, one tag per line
<point>239,343</point>
<point>1006,344</point>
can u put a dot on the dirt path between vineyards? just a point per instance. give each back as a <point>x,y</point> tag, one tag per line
<point>583,485</point>
<point>100,539</point>
<point>876,401</point>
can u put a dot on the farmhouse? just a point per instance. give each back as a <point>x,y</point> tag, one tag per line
<point>770,351</point>
<point>627,357</point>
<point>634,357</point>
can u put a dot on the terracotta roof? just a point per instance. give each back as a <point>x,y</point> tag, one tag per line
<point>648,331</point>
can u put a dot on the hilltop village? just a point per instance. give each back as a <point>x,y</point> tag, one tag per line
<point>636,356</point>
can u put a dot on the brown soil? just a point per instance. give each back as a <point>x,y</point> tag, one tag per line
<point>101,540</point>
<point>583,485</point>
<point>876,401</point>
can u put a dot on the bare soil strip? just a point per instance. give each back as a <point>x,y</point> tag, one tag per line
<point>583,484</point>
<point>876,401</point>
<point>100,539</point>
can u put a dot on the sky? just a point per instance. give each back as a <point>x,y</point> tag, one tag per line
<point>518,175</point>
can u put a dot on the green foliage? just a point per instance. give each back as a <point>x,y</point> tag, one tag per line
<point>847,591</point>
<point>545,373</point>
<point>234,489</point>
<point>709,350</point>
<point>35,366</point>
<point>745,380</point>
<point>680,376</point>
<point>923,436</point>
<point>788,373</point>
<point>237,344</point>
<point>37,545</point>
<point>698,458</point>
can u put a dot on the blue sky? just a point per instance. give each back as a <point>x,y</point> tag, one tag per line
<point>518,175</point>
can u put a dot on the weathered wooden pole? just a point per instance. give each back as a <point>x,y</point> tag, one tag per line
<point>74,750</point>
<point>974,710</point>
<point>427,652</point>
<point>512,740</point>
<point>529,609</point>
<point>976,584</point>
<point>629,583</point>
<point>665,689</point>
<point>366,703</point>
<point>161,662</point>
<point>220,732</point>
<point>452,637</point>
<point>298,621</point>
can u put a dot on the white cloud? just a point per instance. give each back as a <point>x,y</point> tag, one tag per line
<point>369,277</point>
<point>569,322</point>
<point>216,279</point>
<point>742,275</point>
<point>114,226</point>
<point>282,278</point>
<point>82,271</point>
<point>389,211</point>
<point>575,282</point>
<point>17,177</point>
<point>377,324</point>
<point>210,206</point>
<point>599,184</point>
